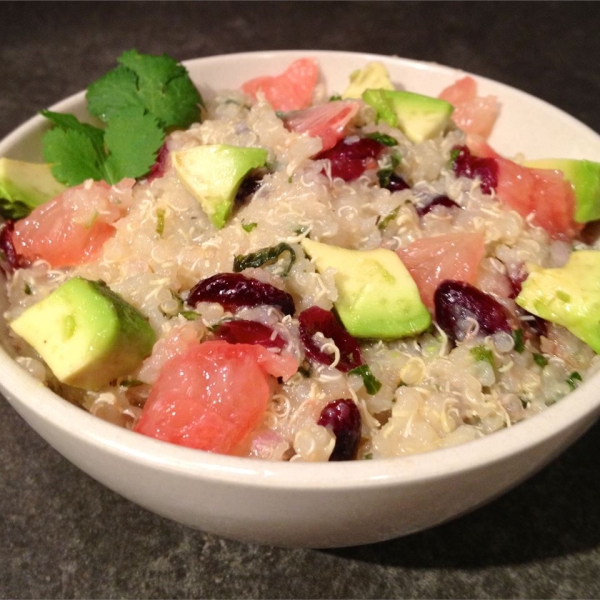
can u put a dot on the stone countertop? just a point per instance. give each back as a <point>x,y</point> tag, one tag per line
<point>65,536</point>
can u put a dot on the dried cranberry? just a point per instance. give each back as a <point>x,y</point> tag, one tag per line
<point>349,160</point>
<point>248,187</point>
<point>14,260</point>
<point>249,332</point>
<point>464,164</point>
<point>314,320</point>
<point>160,166</point>
<point>396,184</point>
<point>342,417</point>
<point>437,201</point>
<point>457,300</point>
<point>234,290</point>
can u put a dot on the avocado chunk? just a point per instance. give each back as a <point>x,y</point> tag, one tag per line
<point>568,296</point>
<point>213,174</point>
<point>87,334</point>
<point>584,176</point>
<point>373,76</point>
<point>25,185</point>
<point>377,297</point>
<point>418,117</point>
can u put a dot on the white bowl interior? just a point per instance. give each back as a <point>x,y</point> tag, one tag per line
<point>526,125</point>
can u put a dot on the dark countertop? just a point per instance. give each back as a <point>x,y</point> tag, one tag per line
<point>65,536</point>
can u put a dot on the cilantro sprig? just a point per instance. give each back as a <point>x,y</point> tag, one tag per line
<point>138,101</point>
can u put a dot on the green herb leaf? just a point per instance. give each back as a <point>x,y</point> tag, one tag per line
<point>368,456</point>
<point>540,360</point>
<point>383,138</point>
<point>372,384</point>
<point>388,219</point>
<point>483,353</point>
<point>385,174</point>
<point>574,379</point>
<point>249,226</point>
<point>13,209</point>
<point>128,147</point>
<point>518,338</point>
<point>263,256</point>
<point>158,85</point>
<point>160,221</point>
<point>127,383</point>
<point>334,98</point>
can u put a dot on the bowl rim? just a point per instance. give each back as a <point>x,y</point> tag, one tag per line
<point>27,395</point>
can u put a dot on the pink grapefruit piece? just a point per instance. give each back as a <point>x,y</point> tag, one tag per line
<point>291,90</point>
<point>540,194</point>
<point>213,395</point>
<point>434,259</point>
<point>472,113</point>
<point>71,229</point>
<point>326,121</point>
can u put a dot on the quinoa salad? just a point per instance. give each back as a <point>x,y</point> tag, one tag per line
<point>262,333</point>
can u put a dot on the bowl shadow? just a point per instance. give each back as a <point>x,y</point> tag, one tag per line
<point>529,523</point>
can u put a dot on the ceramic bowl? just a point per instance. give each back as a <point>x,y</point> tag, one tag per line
<point>329,504</point>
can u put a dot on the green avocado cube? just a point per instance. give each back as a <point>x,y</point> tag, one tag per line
<point>373,76</point>
<point>213,174</point>
<point>29,183</point>
<point>377,297</point>
<point>419,117</point>
<point>584,176</point>
<point>87,334</point>
<point>568,296</point>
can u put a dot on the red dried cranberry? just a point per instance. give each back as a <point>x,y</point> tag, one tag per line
<point>234,290</point>
<point>464,164</point>
<point>249,332</point>
<point>457,300</point>
<point>396,184</point>
<point>349,160</point>
<point>14,260</point>
<point>160,166</point>
<point>437,201</point>
<point>314,320</point>
<point>342,417</point>
<point>248,187</point>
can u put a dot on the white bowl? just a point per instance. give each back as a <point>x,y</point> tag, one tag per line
<point>327,504</point>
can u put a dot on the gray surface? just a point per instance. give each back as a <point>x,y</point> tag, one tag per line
<point>63,535</point>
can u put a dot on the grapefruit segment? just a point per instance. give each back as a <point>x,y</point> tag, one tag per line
<point>326,121</point>
<point>472,113</point>
<point>211,396</point>
<point>71,229</point>
<point>291,90</point>
<point>540,194</point>
<point>432,260</point>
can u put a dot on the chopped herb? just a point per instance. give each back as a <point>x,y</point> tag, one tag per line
<point>300,230</point>
<point>127,383</point>
<point>372,384</point>
<point>265,256</point>
<point>27,289</point>
<point>304,370</point>
<point>574,380</point>
<point>334,98</point>
<point>483,353</point>
<point>13,209</point>
<point>382,138</point>
<point>160,221</point>
<point>388,219</point>
<point>386,173</point>
<point>540,360</point>
<point>190,315</point>
<point>248,227</point>
<point>454,154</point>
<point>368,456</point>
<point>518,338</point>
